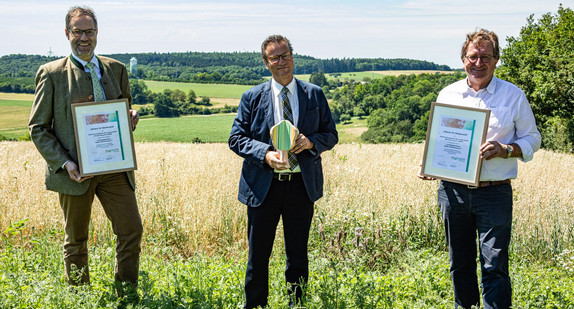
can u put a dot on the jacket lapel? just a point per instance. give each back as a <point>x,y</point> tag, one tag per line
<point>303,102</point>
<point>110,81</point>
<point>105,79</point>
<point>267,105</point>
<point>79,87</point>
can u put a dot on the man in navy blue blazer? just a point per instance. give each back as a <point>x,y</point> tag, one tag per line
<point>273,188</point>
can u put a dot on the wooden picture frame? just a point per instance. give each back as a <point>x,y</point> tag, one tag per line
<point>104,138</point>
<point>454,136</point>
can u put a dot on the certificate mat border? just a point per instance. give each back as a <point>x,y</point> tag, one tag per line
<point>123,108</point>
<point>482,117</point>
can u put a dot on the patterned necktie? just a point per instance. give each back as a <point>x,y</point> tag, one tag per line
<point>288,115</point>
<point>98,91</point>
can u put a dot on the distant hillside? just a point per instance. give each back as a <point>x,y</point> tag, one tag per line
<point>216,67</point>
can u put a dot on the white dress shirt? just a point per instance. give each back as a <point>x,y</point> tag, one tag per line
<point>293,101</point>
<point>511,121</point>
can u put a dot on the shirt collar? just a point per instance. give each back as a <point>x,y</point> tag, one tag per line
<point>83,63</point>
<point>491,88</point>
<point>277,87</point>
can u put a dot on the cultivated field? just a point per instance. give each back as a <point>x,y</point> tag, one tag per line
<point>376,238</point>
<point>407,72</point>
<point>201,90</point>
<point>370,74</point>
<point>14,113</point>
<point>193,187</point>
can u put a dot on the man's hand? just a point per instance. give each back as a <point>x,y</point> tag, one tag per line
<point>421,176</point>
<point>272,158</point>
<point>493,149</point>
<point>135,118</point>
<point>74,173</point>
<point>302,143</point>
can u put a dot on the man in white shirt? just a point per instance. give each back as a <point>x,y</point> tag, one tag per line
<point>511,135</point>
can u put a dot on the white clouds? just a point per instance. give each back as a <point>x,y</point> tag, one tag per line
<point>420,29</point>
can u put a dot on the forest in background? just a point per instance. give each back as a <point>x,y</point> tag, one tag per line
<point>539,61</point>
<point>243,68</point>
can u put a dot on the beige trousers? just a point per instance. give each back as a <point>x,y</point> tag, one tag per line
<point>119,202</point>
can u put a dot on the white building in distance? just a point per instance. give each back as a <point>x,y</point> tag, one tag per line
<point>134,66</point>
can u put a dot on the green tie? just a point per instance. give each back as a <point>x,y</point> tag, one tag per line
<point>98,91</point>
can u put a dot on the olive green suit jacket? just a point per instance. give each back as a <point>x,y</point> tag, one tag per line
<point>59,84</point>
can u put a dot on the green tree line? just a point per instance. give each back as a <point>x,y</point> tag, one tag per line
<point>397,106</point>
<point>539,61</point>
<point>245,68</point>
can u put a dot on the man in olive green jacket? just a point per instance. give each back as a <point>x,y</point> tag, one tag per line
<point>59,84</point>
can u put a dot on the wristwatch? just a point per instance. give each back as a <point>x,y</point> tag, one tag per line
<point>509,151</point>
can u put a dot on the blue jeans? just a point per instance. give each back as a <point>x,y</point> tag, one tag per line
<point>487,210</point>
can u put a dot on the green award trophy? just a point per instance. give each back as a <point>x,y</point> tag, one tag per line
<point>283,136</point>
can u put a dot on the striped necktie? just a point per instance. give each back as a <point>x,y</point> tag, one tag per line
<point>288,115</point>
<point>98,90</point>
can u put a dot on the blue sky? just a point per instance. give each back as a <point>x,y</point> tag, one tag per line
<point>431,30</point>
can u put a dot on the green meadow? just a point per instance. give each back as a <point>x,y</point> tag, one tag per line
<point>215,129</point>
<point>201,90</point>
<point>209,129</point>
<point>14,113</point>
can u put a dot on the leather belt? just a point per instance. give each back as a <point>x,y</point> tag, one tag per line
<point>286,176</point>
<point>483,184</point>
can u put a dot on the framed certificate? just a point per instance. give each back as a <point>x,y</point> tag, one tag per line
<point>104,137</point>
<point>453,141</point>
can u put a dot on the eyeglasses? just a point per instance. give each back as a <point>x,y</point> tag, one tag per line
<point>88,32</point>
<point>286,56</point>
<point>483,58</point>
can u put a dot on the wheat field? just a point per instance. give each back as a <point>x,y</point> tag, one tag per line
<point>187,195</point>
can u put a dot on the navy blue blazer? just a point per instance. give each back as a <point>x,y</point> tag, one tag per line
<point>250,138</point>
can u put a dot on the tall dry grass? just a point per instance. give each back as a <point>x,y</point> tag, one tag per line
<point>187,198</point>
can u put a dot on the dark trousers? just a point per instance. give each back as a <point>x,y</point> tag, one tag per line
<point>288,200</point>
<point>119,202</point>
<point>487,210</point>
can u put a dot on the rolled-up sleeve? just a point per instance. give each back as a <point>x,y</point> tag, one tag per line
<point>527,135</point>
